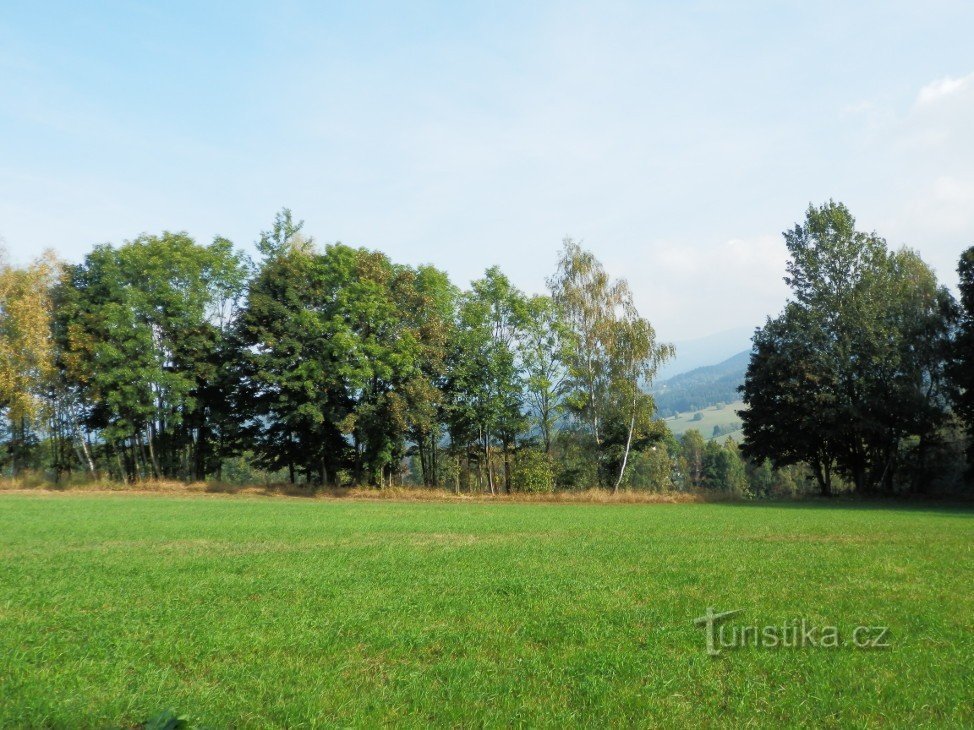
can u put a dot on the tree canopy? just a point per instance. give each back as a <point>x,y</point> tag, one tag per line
<point>165,358</point>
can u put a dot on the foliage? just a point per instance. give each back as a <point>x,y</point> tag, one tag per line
<point>141,335</point>
<point>856,362</point>
<point>26,352</point>
<point>165,358</point>
<point>167,720</point>
<point>962,352</point>
<point>533,471</point>
<point>611,355</point>
<point>723,470</point>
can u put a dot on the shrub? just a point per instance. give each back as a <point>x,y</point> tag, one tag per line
<point>533,472</point>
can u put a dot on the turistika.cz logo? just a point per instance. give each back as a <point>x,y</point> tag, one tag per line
<point>795,634</point>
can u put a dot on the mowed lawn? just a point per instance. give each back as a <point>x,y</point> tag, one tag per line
<point>259,612</point>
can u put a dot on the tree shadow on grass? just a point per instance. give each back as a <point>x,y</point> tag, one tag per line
<point>933,505</point>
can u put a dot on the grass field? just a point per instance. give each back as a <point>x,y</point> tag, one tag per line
<point>722,416</point>
<point>256,612</point>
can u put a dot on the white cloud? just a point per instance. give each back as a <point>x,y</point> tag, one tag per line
<point>917,187</point>
<point>943,88</point>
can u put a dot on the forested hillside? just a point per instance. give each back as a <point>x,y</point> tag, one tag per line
<point>702,387</point>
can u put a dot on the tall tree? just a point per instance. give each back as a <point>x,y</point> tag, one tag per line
<point>543,354</point>
<point>136,326</point>
<point>691,452</point>
<point>26,350</point>
<point>962,360</point>
<point>429,302</point>
<point>613,355</point>
<point>635,357</point>
<point>485,384</point>
<point>294,392</point>
<point>588,300</point>
<point>342,353</point>
<point>854,365</point>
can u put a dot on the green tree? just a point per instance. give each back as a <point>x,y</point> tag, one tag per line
<point>635,356</point>
<point>542,352</point>
<point>429,301</point>
<point>326,349</point>
<point>485,385</point>
<point>962,356</point>
<point>612,354</point>
<point>691,448</point>
<point>137,328</point>
<point>293,366</point>
<point>854,364</point>
<point>723,469</point>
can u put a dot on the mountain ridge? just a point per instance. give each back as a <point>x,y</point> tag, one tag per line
<point>702,387</point>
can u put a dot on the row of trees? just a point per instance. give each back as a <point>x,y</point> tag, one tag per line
<point>164,358</point>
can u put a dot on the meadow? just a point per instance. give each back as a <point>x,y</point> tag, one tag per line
<point>286,612</point>
<point>725,416</point>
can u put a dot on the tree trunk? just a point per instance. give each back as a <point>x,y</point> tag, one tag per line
<point>919,485</point>
<point>823,474</point>
<point>199,455</point>
<point>507,468</point>
<point>434,477</point>
<point>625,454</point>
<point>157,472</point>
<point>490,471</point>
<point>87,454</point>
<point>423,468</point>
<point>118,460</point>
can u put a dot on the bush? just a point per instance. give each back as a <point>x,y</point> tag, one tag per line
<point>651,469</point>
<point>533,472</point>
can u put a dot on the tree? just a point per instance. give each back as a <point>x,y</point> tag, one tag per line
<point>26,350</point>
<point>137,329</point>
<point>635,357</point>
<point>485,385</point>
<point>430,303</point>
<point>542,354</point>
<point>612,356</point>
<point>292,391</point>
<point>588,301</point>
<point>284,235</point>
<point>691,448</point>
<point>343,354</point>
<point>854,365</point>
<point>791,416</point>
<point>962,355</point>
<point>723,469</point>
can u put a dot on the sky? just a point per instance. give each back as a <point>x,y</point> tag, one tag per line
<point>676,140</point>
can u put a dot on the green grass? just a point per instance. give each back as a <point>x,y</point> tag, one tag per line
<point>257,612</point>
<point>722,416</point>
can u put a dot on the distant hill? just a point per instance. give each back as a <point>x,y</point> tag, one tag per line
<point>696,353</point>
<point>702,387</point>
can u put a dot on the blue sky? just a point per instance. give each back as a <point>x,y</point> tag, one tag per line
<point>676,139</point>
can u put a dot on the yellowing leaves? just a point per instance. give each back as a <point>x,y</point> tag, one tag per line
<point>26,349</point>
